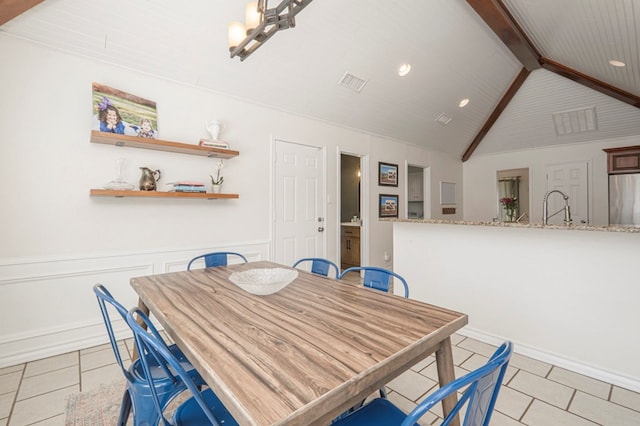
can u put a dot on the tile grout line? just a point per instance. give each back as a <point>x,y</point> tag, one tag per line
<point>80,384</point>
<point>15,398</point>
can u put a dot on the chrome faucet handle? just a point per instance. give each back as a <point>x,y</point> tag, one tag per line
<point>567,213</point>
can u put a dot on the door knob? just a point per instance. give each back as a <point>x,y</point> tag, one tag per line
<point>320,229</point>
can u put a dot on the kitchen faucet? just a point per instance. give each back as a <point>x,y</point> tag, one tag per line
<point>545,211</point>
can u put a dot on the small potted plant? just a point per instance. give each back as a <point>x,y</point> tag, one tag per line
<point>510,204</point>
<point>216,182</point>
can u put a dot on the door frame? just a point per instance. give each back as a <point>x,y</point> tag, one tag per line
<point>365,210</point>
<point>272,195</point>
<point>426,189</point>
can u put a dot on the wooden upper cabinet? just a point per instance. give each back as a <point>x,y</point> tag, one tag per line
<point>623,160</point>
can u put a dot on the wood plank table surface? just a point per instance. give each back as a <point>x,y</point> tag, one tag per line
<point>300,356</point>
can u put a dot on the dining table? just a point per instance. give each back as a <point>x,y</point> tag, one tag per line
<point>302,355</point>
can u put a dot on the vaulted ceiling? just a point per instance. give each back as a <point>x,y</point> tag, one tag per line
<point>517,61</point>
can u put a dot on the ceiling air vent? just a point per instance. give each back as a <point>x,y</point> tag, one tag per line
<point>443,119</point>
<point>352,82</point>
<point>575,121</point>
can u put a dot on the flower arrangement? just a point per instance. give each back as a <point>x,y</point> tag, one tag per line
<point>510,205</point>
<point>218,179</point>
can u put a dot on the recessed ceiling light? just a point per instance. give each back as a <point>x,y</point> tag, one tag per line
<point>617,63</point>
<point>463,103</point>
<point>404,70</point>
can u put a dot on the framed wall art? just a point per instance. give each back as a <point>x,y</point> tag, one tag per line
<point>115,111</point>
<point>387,174</point>
<point>388,205</point>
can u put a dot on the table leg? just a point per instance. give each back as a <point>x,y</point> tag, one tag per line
<point>446,374</point>
<point>145,309</point>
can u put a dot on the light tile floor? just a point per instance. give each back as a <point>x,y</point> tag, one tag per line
<point>534,393</point>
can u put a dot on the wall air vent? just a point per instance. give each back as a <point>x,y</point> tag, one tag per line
<point>443,119</point>
<point>352,82</point>
<point>575,121</point>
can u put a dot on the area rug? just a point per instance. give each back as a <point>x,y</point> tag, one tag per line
<point>101,406</point>
<point>97,407</point>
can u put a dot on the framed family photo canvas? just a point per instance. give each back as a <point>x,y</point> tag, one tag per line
<point>115,111</point>
<point>387,174</point>
<point>388,205</point>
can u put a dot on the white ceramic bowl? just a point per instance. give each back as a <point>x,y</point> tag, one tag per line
<point>263,281</point>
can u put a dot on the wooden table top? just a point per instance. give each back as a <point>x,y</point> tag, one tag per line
<point>300,356</point>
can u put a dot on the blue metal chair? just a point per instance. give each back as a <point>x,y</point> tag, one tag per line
<point>218,258</point>
<point>320,266</point>
<point>479,397</point>
<point>138,395</point>
<point>203,408</point>
<point>378,278</point>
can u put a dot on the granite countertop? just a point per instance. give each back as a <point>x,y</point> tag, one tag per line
<point>577,227</point>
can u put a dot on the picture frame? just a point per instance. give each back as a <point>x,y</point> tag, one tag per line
<point>116,111</point>
<point>388,205</point>
<point>387,174</point>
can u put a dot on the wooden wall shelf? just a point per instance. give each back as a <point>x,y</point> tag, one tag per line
<point>160,145</point>
<point>159,194</point>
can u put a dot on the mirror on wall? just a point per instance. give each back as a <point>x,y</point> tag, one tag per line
<point>513,195</point>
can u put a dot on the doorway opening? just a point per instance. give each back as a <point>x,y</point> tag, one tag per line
<point>418,192</point>
<point>351,211</point>
<point>513,195</point>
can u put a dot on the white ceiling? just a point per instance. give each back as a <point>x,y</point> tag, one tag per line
<point>453,53</point>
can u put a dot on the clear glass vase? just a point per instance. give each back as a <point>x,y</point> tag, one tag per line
<point>119,183</point>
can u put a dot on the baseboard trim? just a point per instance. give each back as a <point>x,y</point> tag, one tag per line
<point>58,292</point>
<point>607,376</point>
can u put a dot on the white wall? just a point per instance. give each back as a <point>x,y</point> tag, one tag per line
<point>57,241</point>
<point>567,297</point>
<point>480,189</point>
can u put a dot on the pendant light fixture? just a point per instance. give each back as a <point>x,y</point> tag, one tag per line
<point>261,23</point>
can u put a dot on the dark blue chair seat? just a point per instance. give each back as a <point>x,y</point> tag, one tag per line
<point>190,412</point>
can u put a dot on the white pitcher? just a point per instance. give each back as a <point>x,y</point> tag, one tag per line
<point>214,127</point>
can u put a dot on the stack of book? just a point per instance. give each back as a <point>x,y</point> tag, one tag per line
<point>210,143</point>
<point>187,186</point>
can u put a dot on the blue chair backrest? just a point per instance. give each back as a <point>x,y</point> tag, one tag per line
<point>320,265</point>
<point>480,396</point>
<point>151,346</point>
<point>104,296</point>
<point>219,258</point>
<point>378,278</point>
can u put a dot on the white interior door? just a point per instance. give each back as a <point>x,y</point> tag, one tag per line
<point>299,210</point>
<point>572,179</point>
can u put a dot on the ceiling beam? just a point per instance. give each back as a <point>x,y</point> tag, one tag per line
<point>509,94</point>
<point>500,20</point>
<point>9,9</point>
<point>591,82</point>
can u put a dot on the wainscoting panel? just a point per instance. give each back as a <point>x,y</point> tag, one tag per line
<point>47,306</point>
